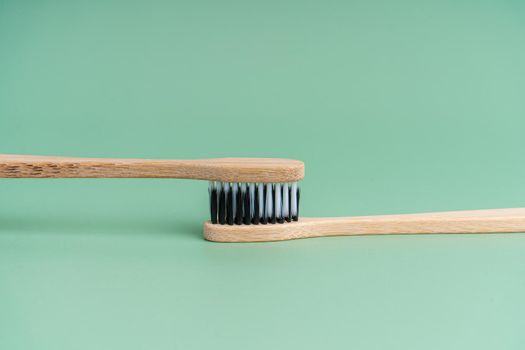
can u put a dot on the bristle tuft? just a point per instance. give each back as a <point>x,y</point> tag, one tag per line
<point>253,203</point>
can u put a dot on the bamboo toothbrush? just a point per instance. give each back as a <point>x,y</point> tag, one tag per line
<point>257,199</point>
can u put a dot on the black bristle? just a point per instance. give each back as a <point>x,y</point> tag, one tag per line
<point>256,217</point>
<point>213,205</point>
<point>298,197</point>
<point>296,217</point>
<point>273,218</point>
<point>264,219</point>
<point>229,201</point>
<point>246,207</point>
<point>238,207</point>
<point>288,218</point>
<point>279,216</point>
<point>222,207</point>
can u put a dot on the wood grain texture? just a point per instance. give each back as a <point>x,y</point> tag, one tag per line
<point>475,221</point>
<point>217,169</point>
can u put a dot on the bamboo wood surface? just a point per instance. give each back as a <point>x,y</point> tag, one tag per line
<point>217,169</point>
<point>474,221</point>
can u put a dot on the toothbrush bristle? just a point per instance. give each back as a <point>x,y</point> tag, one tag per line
<point>253,203</point>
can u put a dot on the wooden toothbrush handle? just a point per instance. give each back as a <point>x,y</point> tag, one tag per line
<point>475,221</point>
<point>217,169</point>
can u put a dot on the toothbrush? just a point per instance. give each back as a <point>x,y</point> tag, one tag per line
<point>257,199</point>
<point>473,221</point>
<point>217,169</point>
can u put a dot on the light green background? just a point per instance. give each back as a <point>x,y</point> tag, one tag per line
<point>395,106</point>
